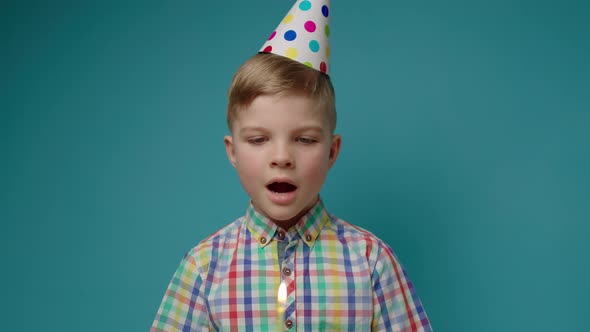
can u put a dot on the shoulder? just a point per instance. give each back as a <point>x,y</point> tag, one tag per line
<point>360,239</point>
<point>215,245</point>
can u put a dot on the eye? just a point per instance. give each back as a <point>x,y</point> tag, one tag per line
<point>306,140</point>
<point>257,140</point>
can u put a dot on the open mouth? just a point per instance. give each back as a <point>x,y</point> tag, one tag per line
<point>281,187</point>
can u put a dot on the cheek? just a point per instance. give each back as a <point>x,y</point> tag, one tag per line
<point>316,165</point>
<point>248,172</point>
<point>248,163</point>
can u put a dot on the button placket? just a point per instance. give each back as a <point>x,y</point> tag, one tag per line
<point>288,276</point>
<point>289,323</point>
<point>287,271</point>
<point>287,264</point>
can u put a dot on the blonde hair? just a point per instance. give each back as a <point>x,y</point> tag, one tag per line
<point>275,75</point>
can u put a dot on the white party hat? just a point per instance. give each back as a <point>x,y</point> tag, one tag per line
<point>303,35</point>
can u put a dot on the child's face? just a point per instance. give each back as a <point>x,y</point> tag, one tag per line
<point>282,149</point>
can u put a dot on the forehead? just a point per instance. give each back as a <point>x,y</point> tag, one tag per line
<point>282,112</point>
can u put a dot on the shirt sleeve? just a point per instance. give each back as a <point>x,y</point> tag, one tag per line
<point>183,307</point>
<point>396,306</point>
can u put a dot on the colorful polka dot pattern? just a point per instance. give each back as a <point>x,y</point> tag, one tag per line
<point>303,35</point>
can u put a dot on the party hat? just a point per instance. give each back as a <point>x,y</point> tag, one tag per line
<point>303,35</point>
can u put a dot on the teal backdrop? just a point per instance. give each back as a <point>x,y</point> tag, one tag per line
<point>466,131</point>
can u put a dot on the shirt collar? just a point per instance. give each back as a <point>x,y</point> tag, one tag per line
<point>308,227</point>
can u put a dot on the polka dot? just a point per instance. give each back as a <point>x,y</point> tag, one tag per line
<point>305,5</point>
<point>309,26</point>
<point>272,35</point>
<point>288,19</point>
<point>267,49</point>
<point>323,67</point>
<point>327,30</point>
<point>291,52</point>
<point>290,35</point>
<point>314,46</point>
<point>325,11</point>
<point>307,63</point>
<point>328,51</point>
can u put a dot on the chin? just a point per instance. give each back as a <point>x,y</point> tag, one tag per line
<point>281,214</point>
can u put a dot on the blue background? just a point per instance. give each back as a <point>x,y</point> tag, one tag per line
<point>465,131</point>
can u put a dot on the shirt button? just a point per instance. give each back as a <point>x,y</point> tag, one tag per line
<point>289,323</point>
<point>263,240</point>
<point>281,235</point>
<point>308,237</point>
<point>287,271</point>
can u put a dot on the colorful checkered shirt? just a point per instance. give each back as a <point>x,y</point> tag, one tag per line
<point>339,277</point>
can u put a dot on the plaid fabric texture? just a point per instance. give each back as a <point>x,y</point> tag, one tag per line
<point>339,278</point>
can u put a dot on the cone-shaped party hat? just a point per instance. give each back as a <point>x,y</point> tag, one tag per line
<point>303,35</point>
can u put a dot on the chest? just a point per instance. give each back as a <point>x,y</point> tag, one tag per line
<point>329,288</point>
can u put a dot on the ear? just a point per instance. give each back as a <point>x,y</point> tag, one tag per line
<point>230,150</point>
<point>335,149</point>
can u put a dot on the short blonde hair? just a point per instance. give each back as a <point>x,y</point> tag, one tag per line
<point>275,75</point>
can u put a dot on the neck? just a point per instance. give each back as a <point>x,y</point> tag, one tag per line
<point>288,223</point>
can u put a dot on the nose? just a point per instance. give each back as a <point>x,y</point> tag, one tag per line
<point>282,156</point>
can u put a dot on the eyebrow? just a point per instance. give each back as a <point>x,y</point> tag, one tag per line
<point>297,129</point>
<point>310,128</point>
<point>252,128</point>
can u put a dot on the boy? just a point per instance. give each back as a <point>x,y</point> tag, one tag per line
<point>338,277</point>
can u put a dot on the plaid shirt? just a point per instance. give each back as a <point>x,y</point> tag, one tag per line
<point>339,278</point>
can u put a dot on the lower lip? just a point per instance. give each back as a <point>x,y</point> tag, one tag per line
<point>281,198</point>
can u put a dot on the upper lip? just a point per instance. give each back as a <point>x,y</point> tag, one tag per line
<point>281,180</point>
